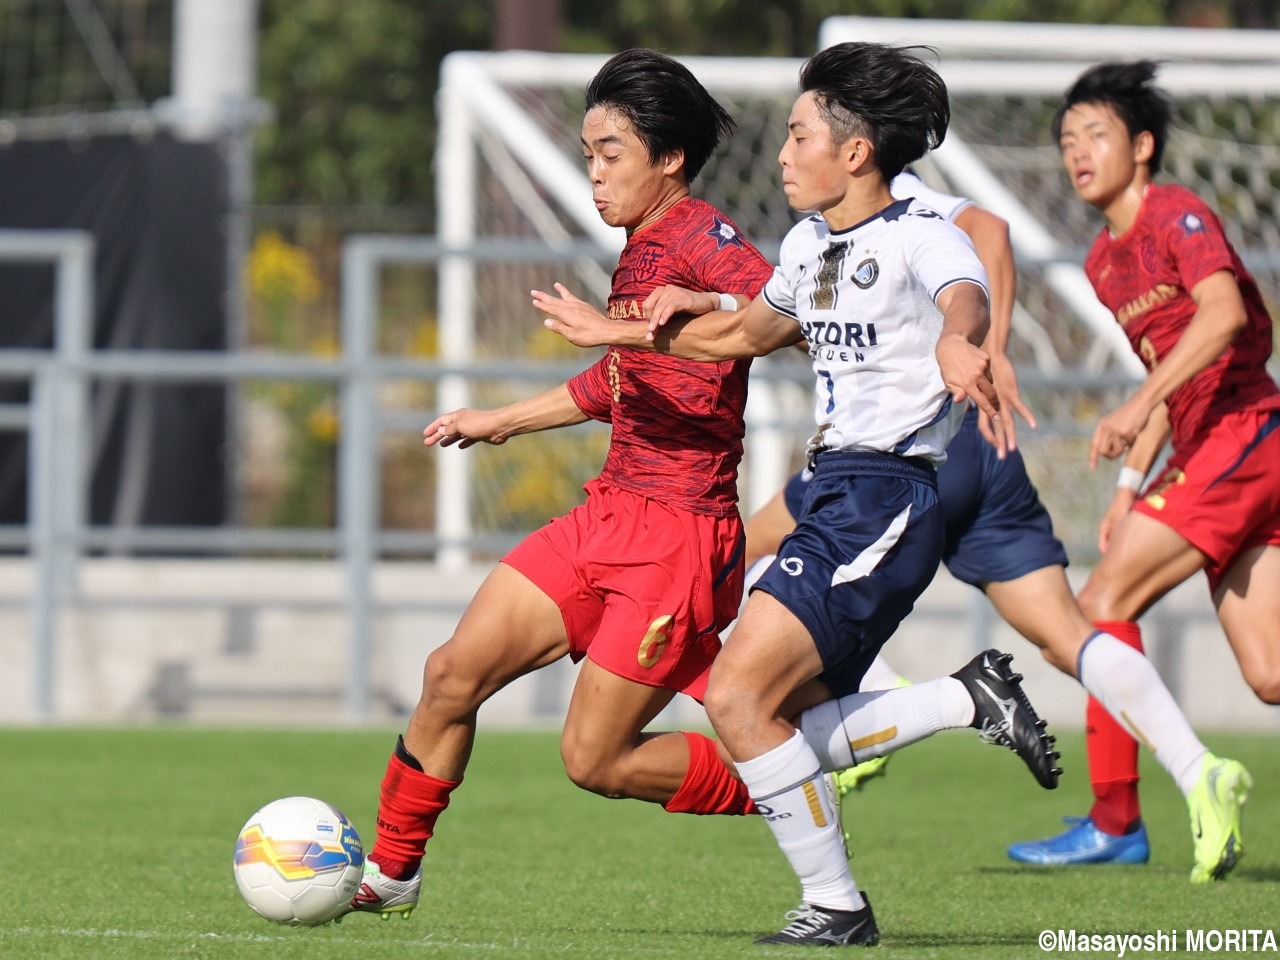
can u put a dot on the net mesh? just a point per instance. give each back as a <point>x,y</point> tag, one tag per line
<point>66,56</point>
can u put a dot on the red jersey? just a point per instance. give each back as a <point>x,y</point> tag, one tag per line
<point>677,424</point>
<point>1145,278</point>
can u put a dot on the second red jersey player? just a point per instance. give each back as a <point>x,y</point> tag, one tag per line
<point>1218,489</point>
<point>1193,314</point>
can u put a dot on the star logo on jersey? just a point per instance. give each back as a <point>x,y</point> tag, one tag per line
<point>1190,223</point>
<point>724,233</point>
<point>867,273</point>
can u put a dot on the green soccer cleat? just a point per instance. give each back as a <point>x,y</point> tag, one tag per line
<point>835,795</point>
<point>1215,804</point>
<point>856,777</point>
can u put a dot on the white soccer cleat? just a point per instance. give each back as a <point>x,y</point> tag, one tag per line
<point>382,895</point>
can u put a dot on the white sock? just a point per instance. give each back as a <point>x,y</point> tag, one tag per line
<point>755,571</point>
<point>787,788</point>
<point>881,676</point>
<point>1127,684</point>
<point>860,726</point>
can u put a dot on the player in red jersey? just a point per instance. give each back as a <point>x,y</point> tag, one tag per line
<point>638,581</point>
<point>1194,315</point>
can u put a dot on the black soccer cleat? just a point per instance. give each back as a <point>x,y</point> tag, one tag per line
<point>1003,715</point>
<point>812,926</point>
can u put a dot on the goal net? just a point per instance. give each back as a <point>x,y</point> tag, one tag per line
<point>509,168</point>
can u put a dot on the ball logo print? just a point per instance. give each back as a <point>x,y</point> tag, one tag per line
<point>298,860</point>
<point>792,566</point>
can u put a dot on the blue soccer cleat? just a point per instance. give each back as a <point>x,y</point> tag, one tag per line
<point>1082,842</point>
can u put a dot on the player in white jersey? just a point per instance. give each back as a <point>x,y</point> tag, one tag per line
<point>866,298</point>
<point>892,299</point>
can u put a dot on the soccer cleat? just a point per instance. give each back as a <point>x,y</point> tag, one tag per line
<point>380,894</point>
<point>1003,715</point>
<point>832,783</point>
<point>812,926</point>
<point>1215,803</point>
<point>856,777</point>
<point>1083,842</point>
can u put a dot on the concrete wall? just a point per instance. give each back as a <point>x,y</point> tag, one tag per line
<point>235,642</point>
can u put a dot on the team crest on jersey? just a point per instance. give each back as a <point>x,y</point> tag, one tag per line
<point>723,233</point>
<point>1190,223</point>
<point>645,264</point>
<point>867,273</point>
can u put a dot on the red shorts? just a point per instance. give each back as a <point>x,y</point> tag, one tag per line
<point>1223,493</point>
<point>645,589</point>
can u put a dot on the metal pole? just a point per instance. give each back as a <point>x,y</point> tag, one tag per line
<point>358,470</point>
<point>43,603</point>
<point>73,343</point>
<point>455,199</point>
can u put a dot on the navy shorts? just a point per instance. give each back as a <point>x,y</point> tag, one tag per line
<point>866,544</point>
<point>996,527</point>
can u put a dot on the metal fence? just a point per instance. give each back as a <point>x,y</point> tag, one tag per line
<point>58,536</point>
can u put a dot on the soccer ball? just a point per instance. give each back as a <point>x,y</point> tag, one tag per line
<point>298,860</point>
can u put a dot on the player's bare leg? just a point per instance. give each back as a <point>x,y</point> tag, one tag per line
<point>1144,561</point>
<point>769,656</point>
<point>1248,604</point>
<point>606,752</point>
<point>510,628</point>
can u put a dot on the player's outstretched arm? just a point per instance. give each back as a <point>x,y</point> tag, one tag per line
<point>466,427</point>
<point>719,335</point>
<point>1219,316</point>
<point>965,366</point>
<point>1142,454</point>
<point>582,324</point>
<point>990,236</point>
<point>669,301</point>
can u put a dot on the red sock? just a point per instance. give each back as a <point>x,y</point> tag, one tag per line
<point>1113,752</point>
<point>407,810</point>
<point>708,785</point>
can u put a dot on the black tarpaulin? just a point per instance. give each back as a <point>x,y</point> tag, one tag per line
<point>158,212</point>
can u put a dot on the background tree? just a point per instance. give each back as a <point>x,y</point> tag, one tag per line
<point>353,84</point>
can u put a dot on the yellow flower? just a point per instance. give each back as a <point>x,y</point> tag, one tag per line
<point>323,424</point>
<point>325,346</point>
<point>277,270</point>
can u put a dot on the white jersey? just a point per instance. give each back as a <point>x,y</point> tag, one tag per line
<point>865,299</point>
<point>907,184</point>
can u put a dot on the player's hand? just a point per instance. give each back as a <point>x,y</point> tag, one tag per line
<point>1117,431</point>
<point>1119,508</point>
<point>576,320</point>
<point>465,427</point>
<point>1005,379</point>
<point>966,371</point>
<point>669,300</point>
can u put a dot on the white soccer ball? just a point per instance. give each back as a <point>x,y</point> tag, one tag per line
<point>298,860</point>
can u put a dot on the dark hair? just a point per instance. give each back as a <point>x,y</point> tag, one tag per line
<point>888,94</point>
<point>1129,90</point>
<point>664,103</point>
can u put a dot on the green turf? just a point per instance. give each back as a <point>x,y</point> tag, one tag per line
<point>119,845</point>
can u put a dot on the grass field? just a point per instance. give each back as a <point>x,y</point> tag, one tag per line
<point>119,845</point>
